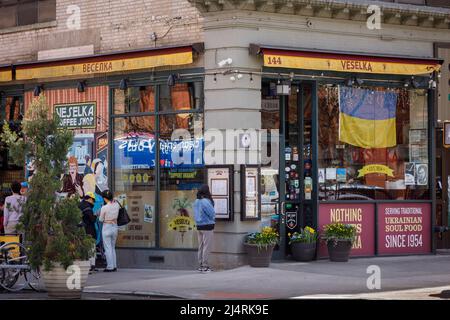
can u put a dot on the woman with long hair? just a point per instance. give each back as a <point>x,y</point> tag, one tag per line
<point>108,216</point>
<point>204,216</point>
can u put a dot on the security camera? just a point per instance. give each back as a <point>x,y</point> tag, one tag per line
<point>225,62</point>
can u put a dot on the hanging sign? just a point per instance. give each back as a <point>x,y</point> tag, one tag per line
<point>77,115</point>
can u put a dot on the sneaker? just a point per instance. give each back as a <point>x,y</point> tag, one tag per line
<point>114,270</point>
<point>207,270</point>
<point>108,270</point>
<point>93,269</point>
<point>200,269</point>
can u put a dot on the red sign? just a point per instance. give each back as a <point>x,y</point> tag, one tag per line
<point>404,228</point>
<point>360,215</point>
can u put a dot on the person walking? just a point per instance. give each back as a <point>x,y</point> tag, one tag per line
<point>108,216</point>
<point>89,218</point>
<point>13,209</point>
<point>204,216</point>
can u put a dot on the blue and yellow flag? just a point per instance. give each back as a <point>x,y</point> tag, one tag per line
<point>367,118</point>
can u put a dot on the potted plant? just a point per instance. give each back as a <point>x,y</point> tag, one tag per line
<point>339,238</point>
<point>303,244</point>
<point>58,246</point>
<point>259,246</point>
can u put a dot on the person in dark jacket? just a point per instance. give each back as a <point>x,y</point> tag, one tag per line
<point>89,219</point>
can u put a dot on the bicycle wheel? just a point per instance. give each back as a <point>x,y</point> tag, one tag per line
<point>13,266</point>
<point>33,278</point>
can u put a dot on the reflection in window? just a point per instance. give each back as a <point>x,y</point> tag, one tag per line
<point>134,100</point>
<point>134,178</point>
<point>181,96</point>
<point>181,174</point>
<point>373,143</point>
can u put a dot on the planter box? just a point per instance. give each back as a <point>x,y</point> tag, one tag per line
<point>56,281</point>
<point>303,251</point>
<point>259,257</point>
<point>339,251</point>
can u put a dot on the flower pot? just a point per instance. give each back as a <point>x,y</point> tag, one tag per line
<point>339,250</point>
<point>259,257</point>
<point>63,284</point>
<point>302,251</point>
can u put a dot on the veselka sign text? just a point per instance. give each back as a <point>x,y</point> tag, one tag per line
<point>77,115</point>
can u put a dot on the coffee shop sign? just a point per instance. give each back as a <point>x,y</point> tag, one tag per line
<point>77,115</point>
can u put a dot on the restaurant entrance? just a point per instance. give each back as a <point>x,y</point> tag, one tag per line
<point>292,201</point>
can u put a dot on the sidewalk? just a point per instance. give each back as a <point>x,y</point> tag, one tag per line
<point>412,277</point>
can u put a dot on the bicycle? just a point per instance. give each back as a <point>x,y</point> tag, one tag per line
<point>14,265</point>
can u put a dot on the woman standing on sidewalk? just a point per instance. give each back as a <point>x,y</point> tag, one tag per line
<point>108,215</point>
<point>204,215</point>
<point>13,209</point>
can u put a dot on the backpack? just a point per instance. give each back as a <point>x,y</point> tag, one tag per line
<point>123,218</point>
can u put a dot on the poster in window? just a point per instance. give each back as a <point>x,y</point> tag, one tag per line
<point>422,174</point>
<point>417,136</point>
<point>410,174</point>
<point>322,175</point>
<point>331,174</point>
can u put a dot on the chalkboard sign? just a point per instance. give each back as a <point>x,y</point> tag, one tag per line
<point>77,115</point>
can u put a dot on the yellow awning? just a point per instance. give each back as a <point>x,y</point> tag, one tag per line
<point>341,62</point>
<point>5,74</point>
<point>104,64</point>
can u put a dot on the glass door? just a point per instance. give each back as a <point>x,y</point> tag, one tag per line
<point>286,201</point>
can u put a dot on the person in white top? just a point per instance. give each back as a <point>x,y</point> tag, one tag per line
<point>108,215</point>
<point>13,209</point>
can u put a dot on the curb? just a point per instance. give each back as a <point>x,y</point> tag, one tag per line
<point>134,293</point>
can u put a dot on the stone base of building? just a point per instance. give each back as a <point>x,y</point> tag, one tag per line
<point>175,259</point>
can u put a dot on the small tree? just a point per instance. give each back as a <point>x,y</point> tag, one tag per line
<point>49,224</point>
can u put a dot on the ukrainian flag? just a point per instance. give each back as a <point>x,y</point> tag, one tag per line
<point>367,117</point>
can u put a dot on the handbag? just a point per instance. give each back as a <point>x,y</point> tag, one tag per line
<point>123,218</point>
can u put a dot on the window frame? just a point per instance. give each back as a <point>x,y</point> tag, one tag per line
<point>157,114</point>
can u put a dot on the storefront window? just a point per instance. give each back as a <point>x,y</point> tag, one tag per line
<point>270,106</point>
<point>171,143</point>
<point>373,143</point>
<point>134,100</point>
<point>181,96</point>
<point>134,178</point>
<point>11,111</point>
<point>181,174</point>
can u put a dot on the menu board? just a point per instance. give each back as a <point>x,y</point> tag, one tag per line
<point>220,181</point>
<point>251,195</point>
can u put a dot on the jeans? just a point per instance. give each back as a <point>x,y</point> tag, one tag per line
<point>205,238</point>
<point>109,233</point>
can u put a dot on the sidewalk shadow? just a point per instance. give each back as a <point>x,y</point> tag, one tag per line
<point>445,294</point>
